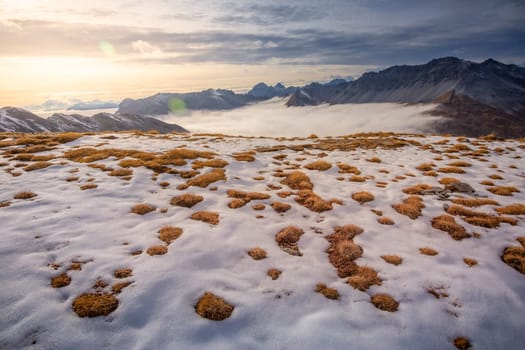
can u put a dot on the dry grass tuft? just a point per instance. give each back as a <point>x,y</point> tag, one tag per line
<point>119,286</point>
<point>374,160</point>
<point>244,156</point>
<point>247,196</point>
<point>410,207</point>
<point>212,163</point>
<point>280,207</point>
<point>521,240</point>
<point>512,209</point>
<point>364,278</point>
<point>88,186</point>
<point>448,224</point>
<point>362,197</point>
<point>425,166</point>
<point>503,190</point>
<point>257,253</point>
<point>451,170</point>
<point>515,258</point>
<point>297,180</point>
<point>5,204</point>
<point>487,183</point>
<point>24,195</point>
<point>142,209</point>
<point>384,302</point>
<point>355,178</point>
<point>273,273</point>
<point>392,259</point>
<point>428,251</point>
<point>416,189</point>
<point>462,343</point>
<point>284,194</point>
<point>121,172</point>
<point>438,292</point>
<point>474,202</point>
<point>329,293</point>
<point>495,177</point>
<point>312,201</point>
<point>448,181</point>
<point>342,254</point>
<point>288,238</point>
<point>258,207</point>
<point>205,179</point>
<point>186,200</point>
<point>385,220</point>
<point>168,234</point>
<point>213,307</point>
<point>94,304</point>
<point>320,165</point>
<point>206,216</point>
<point>37,166</point>
<point>136,252</point>
<point>470,262</point>
<point>236,203</point>
<point>123,273</point>
<point>460,163</point>
<point>157,250</point>
<point>60,281</point>
<point>346,232</point>
<point>348,169</point>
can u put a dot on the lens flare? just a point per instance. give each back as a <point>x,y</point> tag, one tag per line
<point>107,48</point>
<point>176,105</point>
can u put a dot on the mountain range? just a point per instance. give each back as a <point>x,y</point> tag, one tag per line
<point>472,98</point>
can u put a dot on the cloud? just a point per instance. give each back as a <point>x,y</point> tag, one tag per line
<point>145,48</point>
<point>273,118</point>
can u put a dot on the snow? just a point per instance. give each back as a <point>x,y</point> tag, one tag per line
<point>63,223</point>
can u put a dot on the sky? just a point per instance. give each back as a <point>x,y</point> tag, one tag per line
<point>107,50</point>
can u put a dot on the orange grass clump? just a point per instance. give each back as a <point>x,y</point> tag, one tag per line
<point>257,253</point>
<point>119,286</point>
<point>157,250</point>
<point>186,200</point>
<point>320,165</point>
<point>512,209</point>
<point>273,273</point>
<point>142,209</point>
<point>297,180</point>
<point>247,196</point>
<point>515,258</point>
<point>460,163</point>
<point>392,259</point>
<point>24,195</point>
<point>244,156</point>
<point>212,163</point>
<point>355,178</point>
<point>364,278</point>
<point>348,169</point>
<point>448,181</point>
<point>428,251</point>
<point>121,172</point>
<point>123,273</point>
<point>374,160</point>
<point>451,169</point>
<point>474,202</point>
<point>503,190</point>
<point>280,207</point>
<point>168,234</point>
<point>288,238</point>
<point>462,343</point>
<point>384,302</point>
<point>60,281</point>
<point>204,180</point>
<point>206,216</point>
<point>385,220</point>
<point>312,201</point>
<point>213,307</point>
<point>416,189</point>
<point>329,293</point>
<point>342,254</point>
<point>425,166</point>
<point>258,206</point>
<point>410,207</point>
<point>448,224</point>
<point>236,203</point>
<point>88,186</point>
<point>94,304</point>
<point>37,166</point>
<point>470,262</point>
<point>362,197</point>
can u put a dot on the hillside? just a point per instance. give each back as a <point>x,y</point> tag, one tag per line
<point>368,241</point>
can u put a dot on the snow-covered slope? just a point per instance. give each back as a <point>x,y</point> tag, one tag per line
<point>87,235</point>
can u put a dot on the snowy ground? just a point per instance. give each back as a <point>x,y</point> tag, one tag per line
<point>485,303</point>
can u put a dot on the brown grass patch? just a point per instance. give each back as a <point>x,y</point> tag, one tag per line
<point>72,178</point>
<point>495,177</point>
<point>384,302</point>
<point>430,173</point>
<point>186,200</point>
<point>88,186</point>
<point>348,169</point>
<point>100,284</point>
<point>487,183</point>
<point>257,253</point>
<point>94,304</point>
<point>320,165</point>
<point>428,251</point>
<point>451,170</point>
<point>273,273</point>
<point>346,232</point>
<point>364,278</point>
<point>329,293</point>
<point>385,220</point>
<point>284,194</point>
<point>157,250</point>
<point>247,196</point>
<point>244,156</point>
<point>425,166</point>
<point>448,224</point>
<point>205,179</point>
<point>503,190</point>
<point>512,209</point>
<point>288,238</point>
<point>448,181</point>
<point>355,178</point>
<point>123,273</point>
<point>474,202</point>
<point>121,172</point>
<point>438,292</point>
<point>5,204</point>
<point>521,240</point>
<point>24,195</point>
<point>515,258</point>
<point>313,202</point>
<point>392,259</point>
<point>342,254</point>
<point>416,189</point>
<point>119,286</point>
<point>297,180</point>
<point>410,207</point>
<point>37,166</point>
<point>206,216</point>
<point>60,281</point>
<point>142,209</point>
<point>280,207</point>
<point>362,197</point>
<point>470,262</point>
<point>462,343</point>
<point>75,266</point>
<point>213,307</point>
<point>258,207</point>
<point>460,163</point>
<point>136,252</point>
<point>168,234</point>
<point>212,163</point>
<point>374,160</point>
<point>236,203</point>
